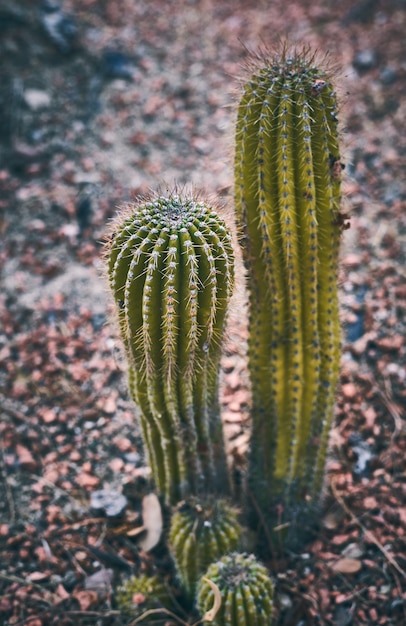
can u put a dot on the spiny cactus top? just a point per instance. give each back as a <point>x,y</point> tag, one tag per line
<point>287,188</point>
<point>245,588</point>
<point>201,532</point>
<point>170,265</point>
<point>139,594</point>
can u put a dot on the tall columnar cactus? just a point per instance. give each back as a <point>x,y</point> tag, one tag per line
<point>287,188</point>
<point>170,266</point>
<point>245,589</point>
<point>201,532</point>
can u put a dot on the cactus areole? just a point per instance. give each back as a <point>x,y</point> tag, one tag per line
<point>170,266</point>
<point>287,189</point>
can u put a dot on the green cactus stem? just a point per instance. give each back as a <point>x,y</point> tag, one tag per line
<point>245,589</point>
<point>201,532</point>
<point>139,594</point>
<point>170,266</point>
<point>287,189</point>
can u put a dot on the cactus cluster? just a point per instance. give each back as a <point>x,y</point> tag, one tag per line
<point>245,589</point>
<point>170,266</point>
<point>287,189</point>
<point>201,532</point>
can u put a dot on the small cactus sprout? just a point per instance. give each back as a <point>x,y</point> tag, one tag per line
<point>287,188</point>
<point>139,594</point>
<point>245,590</point>
<point>201,532</point>
<point>170,266</point>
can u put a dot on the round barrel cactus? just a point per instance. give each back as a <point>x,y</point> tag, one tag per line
<point>245,590</point>
<point>200,533</point>
<point>139,594</point>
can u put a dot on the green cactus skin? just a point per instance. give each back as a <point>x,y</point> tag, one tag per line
<point>170,266</point>
<point>245,588</point>
<point>201,532</point>
<point>287,189</point>
<point>142,593</point>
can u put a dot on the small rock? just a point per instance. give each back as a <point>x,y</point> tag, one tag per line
<point>70,580</point>
<point>347,566</point>
<point>388,75</point>
<point>37,99</point>
<point>285,601</point>
<point>60,28</point>
<point>133,457</point>
<point>116,465</point>
<point>390,344</point>
<point>365,60</point>
<point>352,260</point>
<point>100,582</point>
<point>352,551</point>
<point>109,503</point>
<point>116,64</point>
<point>363,452</point>
<point>349,391</point>
<point>25,458</point>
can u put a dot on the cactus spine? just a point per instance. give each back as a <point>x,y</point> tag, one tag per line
<point>170,266</point>
<point>200,533</point>
<point>287,188</point>
<point>245,588</point>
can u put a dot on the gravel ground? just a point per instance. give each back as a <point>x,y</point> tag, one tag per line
<point>102,100</point>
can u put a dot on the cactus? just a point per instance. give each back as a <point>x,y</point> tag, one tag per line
<point>200,533</point>
<point>139,594</point>
<point>287,189</point>
<point>170,266</point>
<point>245,589</point>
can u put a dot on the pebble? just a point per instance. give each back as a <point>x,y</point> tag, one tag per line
<point>352,260</point>
<point>349,391</point>
<point>60,28</point>
<point>365,60</point>
<point>107,502</point>
<point>388,75</point>
<point>116,64</point>
<point>347,566</point>
<point>352,551</point>
<point>37,99</point>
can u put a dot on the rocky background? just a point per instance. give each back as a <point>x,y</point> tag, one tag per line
<point>102,100</point>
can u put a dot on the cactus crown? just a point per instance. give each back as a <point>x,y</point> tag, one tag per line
<point>141,593</point>
<point>170,266</point>
<point>237,569</point>
<point>245,589</point>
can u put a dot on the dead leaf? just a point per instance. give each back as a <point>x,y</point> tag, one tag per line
<point>152,519</point>
<point>36,577</point>
<point>346,566</point>
<point>211,613</point>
